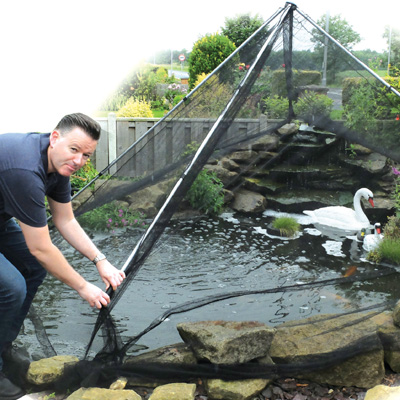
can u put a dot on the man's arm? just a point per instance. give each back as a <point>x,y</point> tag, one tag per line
<point>40,245</point>
<point>72,232</point>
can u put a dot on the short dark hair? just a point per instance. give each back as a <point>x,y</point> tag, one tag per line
<point>89,125</point>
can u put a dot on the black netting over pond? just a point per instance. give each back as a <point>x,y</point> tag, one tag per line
<point>281,136</point>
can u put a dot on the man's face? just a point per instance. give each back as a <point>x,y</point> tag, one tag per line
<point>69,151</point>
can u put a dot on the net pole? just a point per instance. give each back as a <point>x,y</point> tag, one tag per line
<point>200,149</point>
<point>348,53</point>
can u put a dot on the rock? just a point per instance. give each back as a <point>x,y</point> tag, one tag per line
<point>119,384</point>
<point>266,143</point>
<point>81,198</point>
<point>244,156</point>
<point>360,150</point>
<point>288,129</point>
<point>318,336</point>
<point>229,164</point>
<point>389,335</point>
<point>382,392</point>
<point>225,175</point>
<point>179,353</point>
<point>150,199</point>
<point>374,163</point>
<point>396,314</point>
<point>235,390</point>
<point>228,196</point>
<point>48,370</point>
<point>174,391</point>
<point>249,202</point>
<point>103,394</point>
<point>227,342</point>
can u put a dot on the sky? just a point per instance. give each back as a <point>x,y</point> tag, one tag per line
<point>64,56</point>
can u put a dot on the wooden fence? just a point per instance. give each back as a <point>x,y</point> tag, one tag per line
<point>118,134</point>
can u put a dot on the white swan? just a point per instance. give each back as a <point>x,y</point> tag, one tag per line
<point>372,241</point>
<point>345,218</point>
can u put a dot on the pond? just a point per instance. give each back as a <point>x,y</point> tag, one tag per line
<point>201,257</point>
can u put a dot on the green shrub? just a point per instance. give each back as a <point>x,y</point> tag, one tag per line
<point>113,102</point>
<point>212,99</point>
<point>276,107</point>
<point>156,105</point>
<point>360,108</point>
<point>207,53</point>
<point>349,85</point>
<point>83,176</point>
<point>392,227</point>
<point>300,78</point>
<point>206,193</point>
<point>135,108</point>
<point>175,93</point>
<point>389,249</point>
<point>311,103</point>
<point>287,226</point>
<point>112,216</point>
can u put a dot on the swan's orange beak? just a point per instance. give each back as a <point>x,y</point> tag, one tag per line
<point>371,201</point>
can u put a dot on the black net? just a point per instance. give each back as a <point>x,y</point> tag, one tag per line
<point>269,120</point>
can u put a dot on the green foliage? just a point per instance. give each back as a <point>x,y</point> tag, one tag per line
<point>388,249</point>
<point>392,227</point>
<point>360,109</point>
<point>135,108</point>
<point>276,107</point>
<point>173,90</point>
<point>368,106</point>
<point>83,176</point>
<point>210,105</point>
<point>241,27</point>
<point>114,102</point>
<point>396,197</point>
<point>310,104</point>
<point>344,33</point>
<point>112,216</point>
<point>287,226</point>
<point>207,53</point>
<point>375,60</point>
<point>142,82</point>
<point>206,193</point>
<point>191,148</point>
<point>349,85</point>
<point>300,78</point>
<point>313,104</point>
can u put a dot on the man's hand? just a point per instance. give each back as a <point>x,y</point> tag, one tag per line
<point>94,295</point>
<point>110,275</point>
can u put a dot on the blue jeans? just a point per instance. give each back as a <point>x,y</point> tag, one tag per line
<point>20,276</point>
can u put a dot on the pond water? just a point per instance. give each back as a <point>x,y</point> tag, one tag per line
<point>202,257</point>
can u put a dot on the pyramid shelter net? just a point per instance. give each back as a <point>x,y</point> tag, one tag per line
<point>265,116</point>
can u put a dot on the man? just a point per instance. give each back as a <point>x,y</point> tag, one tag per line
<point>33,166</point>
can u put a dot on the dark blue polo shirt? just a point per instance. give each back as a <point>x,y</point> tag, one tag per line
<point>24,181</point>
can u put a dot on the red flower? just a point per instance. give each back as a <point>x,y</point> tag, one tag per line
<point>397,117</point>
<point>283,65</point>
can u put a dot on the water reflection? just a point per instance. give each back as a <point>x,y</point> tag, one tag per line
<point>204,257</point>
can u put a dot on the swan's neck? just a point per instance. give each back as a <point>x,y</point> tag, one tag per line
<point>358,209</point>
